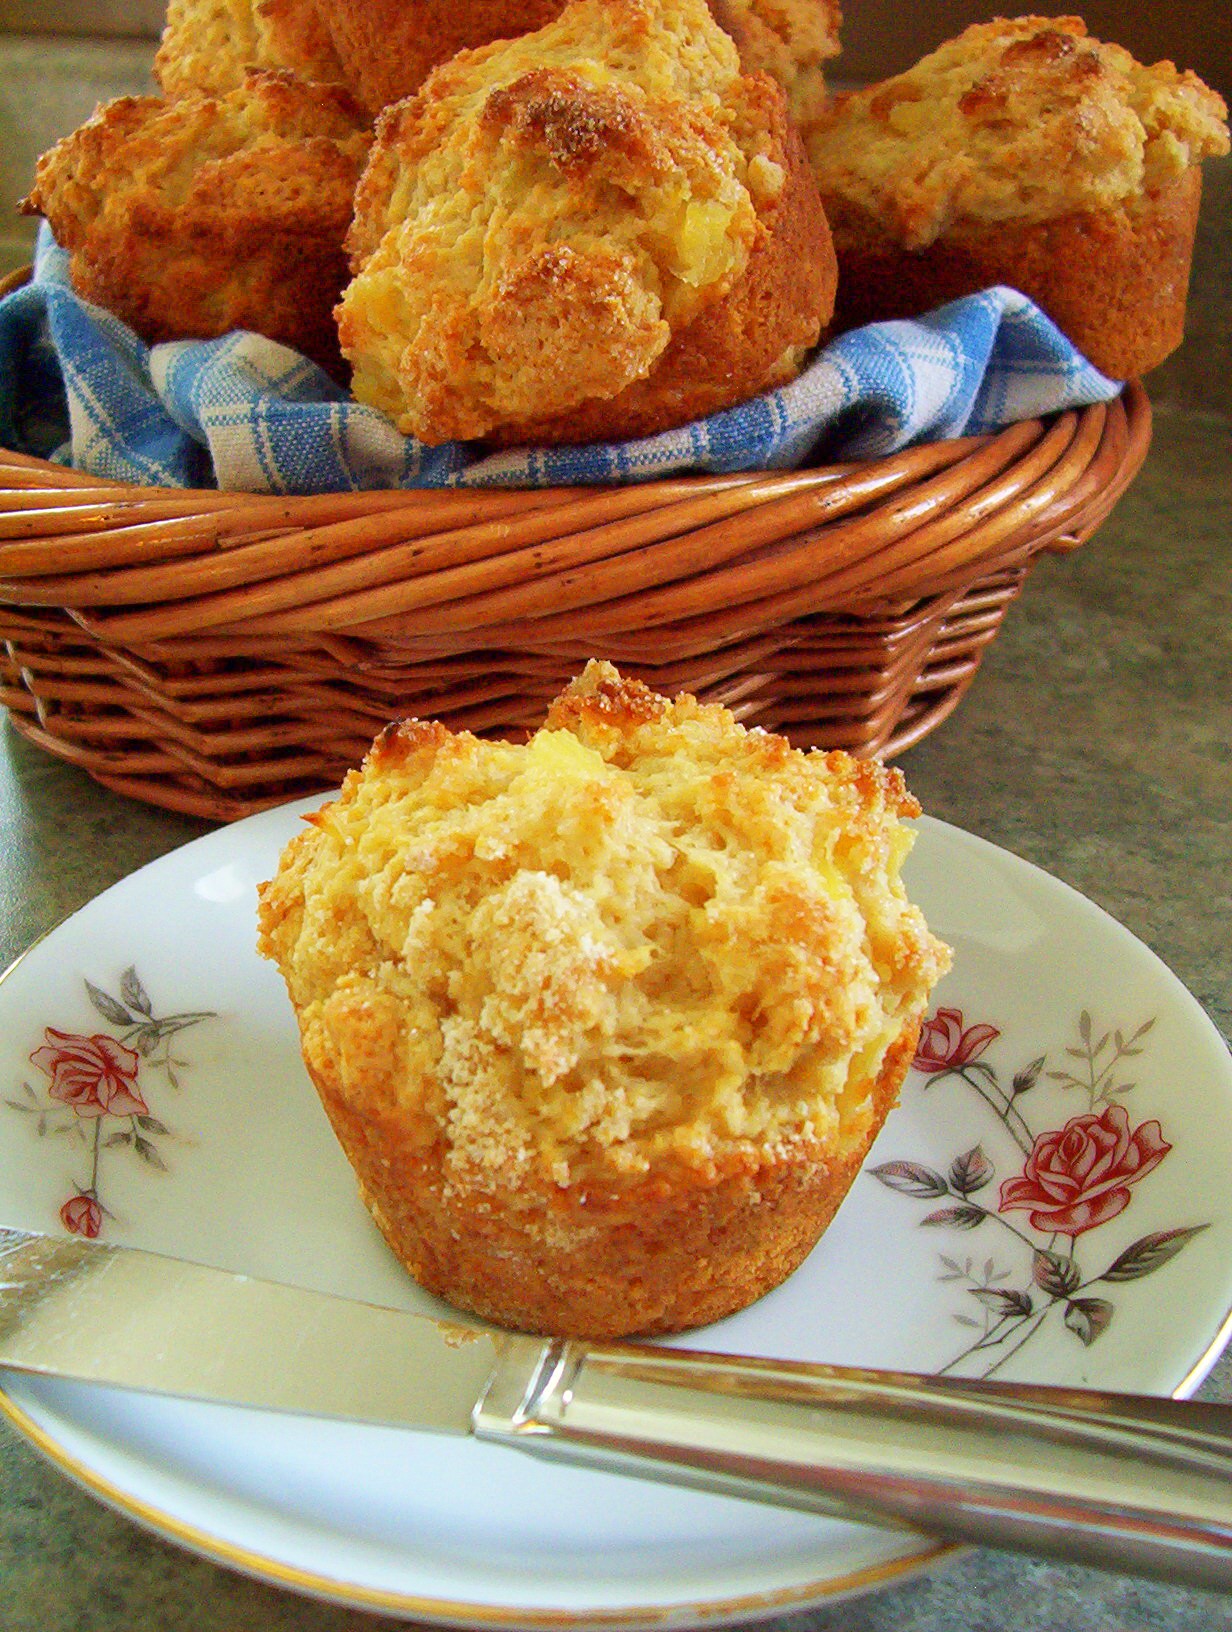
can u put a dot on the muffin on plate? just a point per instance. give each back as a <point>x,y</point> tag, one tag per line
<point>193,217</point>
<point>599,230</point>
<point>209,45</point>
<point>1026,153</point>
<point>605,1021</point>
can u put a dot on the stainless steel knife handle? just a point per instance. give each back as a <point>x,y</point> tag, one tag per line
<point>1125,1482</point>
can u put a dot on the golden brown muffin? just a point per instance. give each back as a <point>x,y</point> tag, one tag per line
<point>607,1021</point>
<point>209,45</point>
<point>190,218</point>
<point>389,47</point>
<point>790,40</point>
<point>1025,153</point>
<point>602,229</point>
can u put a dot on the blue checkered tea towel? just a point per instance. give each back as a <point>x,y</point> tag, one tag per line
<point>249,415</point>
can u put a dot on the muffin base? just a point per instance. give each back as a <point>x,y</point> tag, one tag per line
<point>1114,282</point>
<point>676,1250</point>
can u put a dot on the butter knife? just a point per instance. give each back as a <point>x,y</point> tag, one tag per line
<point>1126,1482</point>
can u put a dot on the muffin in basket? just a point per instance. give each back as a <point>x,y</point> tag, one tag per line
<point>388,47</point>
<point>1024,152</point>
<point>598,230</point>
<point>789,39</point>
<point>209,45</point>
<point>193,217</point>
<point>605,1021</point>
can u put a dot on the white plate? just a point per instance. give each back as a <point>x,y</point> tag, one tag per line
<point>233,1164</point>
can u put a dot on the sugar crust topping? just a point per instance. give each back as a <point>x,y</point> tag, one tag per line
<point>646,936</point>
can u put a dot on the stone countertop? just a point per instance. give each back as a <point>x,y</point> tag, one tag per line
<point>1095,742</point>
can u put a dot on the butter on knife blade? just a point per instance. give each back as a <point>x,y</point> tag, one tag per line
<point>1126,1482</point>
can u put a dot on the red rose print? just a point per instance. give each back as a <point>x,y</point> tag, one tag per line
<point>82,1215</point>
<point>1080,1176</point>
<point>1068,1180</point>
<point>97,1076</point>
<point>945,1046</point>
<point>91,1084</point>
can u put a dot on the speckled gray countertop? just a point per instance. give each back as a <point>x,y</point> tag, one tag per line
<point>1096,743</point>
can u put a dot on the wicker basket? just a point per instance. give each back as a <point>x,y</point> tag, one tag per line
<point>216,653</point>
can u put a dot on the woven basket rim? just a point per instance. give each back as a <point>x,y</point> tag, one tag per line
<point>508,556</point>
<point>217,652</point>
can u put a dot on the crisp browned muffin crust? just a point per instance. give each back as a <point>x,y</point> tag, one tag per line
<point>599,230</point>
<point>193,217</point>
<point>1024,152</point>
<point>791,40</point>
<point>606,1022</point>
<point>389,47</point>
<point>1114,281</point>
<point>209,45</point>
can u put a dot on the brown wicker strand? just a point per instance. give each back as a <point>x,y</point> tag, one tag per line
<point>326,535</point>
<point>216,654</point>
<point>467,558</point>
<point>300,566</point>
<point>687,636</point>
<point>21,470</point>
<point>714,600</point>
<point>939,551</point>
<point>588,571</point>
<point>831,565</point>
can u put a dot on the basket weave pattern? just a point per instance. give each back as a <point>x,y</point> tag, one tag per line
<point>216,653</point>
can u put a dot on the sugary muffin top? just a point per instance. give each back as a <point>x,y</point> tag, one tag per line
<point>541,218</point>
<point>645,935</point>
<point>275,150</point>
<point>209,45</point>
<point>1021,119</point>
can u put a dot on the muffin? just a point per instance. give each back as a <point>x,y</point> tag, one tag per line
<point>791,40</point>
<point>605,1021</point>
<point>193,217</point>
<point>599,230</point>
<point>209,45</point>
<point>1025,153</point>
<point>389,47</point>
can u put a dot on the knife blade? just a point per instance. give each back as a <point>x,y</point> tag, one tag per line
<point>132,1319</point>
<point>1127,1482</point>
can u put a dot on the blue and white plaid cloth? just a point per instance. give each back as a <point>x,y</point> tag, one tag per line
<point>246,414</point>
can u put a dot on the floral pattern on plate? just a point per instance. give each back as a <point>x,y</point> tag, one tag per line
<point>1072,1179</point>
<point>95,1094</point>
<point>462,1534</point>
